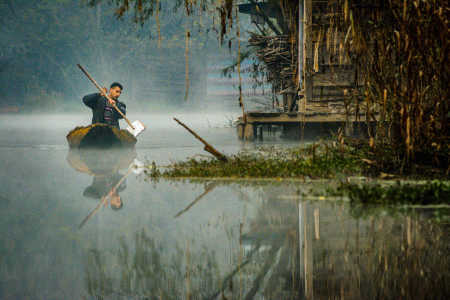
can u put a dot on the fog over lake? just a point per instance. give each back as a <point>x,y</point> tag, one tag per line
<point>188,239</point>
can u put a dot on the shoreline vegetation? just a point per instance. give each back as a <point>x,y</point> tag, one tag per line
<point>322,160</point>
<point>381,178</point>
<point>399,49</point>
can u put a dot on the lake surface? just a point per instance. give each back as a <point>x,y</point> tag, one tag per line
<point>194,239</point>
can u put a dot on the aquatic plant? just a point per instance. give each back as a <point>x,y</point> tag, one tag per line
<point>430,192</point>
<point>321,160</point>
<point>148,269</point>
<point>379,199</point>
<point>317,161</point>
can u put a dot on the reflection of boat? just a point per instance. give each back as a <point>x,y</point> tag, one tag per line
<point>94,162</point>
<point>100,136</point>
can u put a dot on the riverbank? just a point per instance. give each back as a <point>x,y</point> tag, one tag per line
<point>382,179</point>
<point>326,159</point>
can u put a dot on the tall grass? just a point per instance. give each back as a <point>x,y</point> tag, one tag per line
<point>401,49</point>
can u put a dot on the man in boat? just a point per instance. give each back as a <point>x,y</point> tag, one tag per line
<point>103,110</point>
<point>104,186</point>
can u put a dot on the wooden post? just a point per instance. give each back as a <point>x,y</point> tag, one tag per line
<point>285,102</point>
<point>290,100</point>
<point>301,25</point>
<point>249,131</point>
<point>317,223</point>
<point>307,52</point>
<point>207,147</point>
<point>300,43</point>
<point>240,130</point>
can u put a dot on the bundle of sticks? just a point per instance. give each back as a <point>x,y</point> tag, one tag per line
<point>279,57</point>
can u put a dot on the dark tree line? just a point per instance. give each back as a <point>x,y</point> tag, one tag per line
<point>42,41</point>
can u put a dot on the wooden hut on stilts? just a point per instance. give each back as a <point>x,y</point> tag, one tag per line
<point>303,52</point>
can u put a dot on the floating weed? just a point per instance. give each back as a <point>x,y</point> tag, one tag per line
<point>327,160</point>
<point>315,161</point>
<point>430,192</point>
<point>368,200</point>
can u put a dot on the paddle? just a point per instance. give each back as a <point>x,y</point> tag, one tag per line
<point>136,167</point>
<point>134,128</point>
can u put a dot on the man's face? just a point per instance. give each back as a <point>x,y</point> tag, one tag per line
<point>115,201</point>
<point>115,92</point>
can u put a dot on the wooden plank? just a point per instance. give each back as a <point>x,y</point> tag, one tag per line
<point>303,117</point>
<point>307,50</point>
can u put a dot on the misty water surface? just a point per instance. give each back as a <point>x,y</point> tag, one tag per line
<point>193,240</point>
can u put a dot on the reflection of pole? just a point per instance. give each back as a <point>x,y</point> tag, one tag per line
<point>208,189</point>
<point>229,277</point>
<point>105,198</point>
<point>300,245</point>
<point>188,271</point>
<point>408,231</point>
<point>316,223</point>
<point>308,257</point>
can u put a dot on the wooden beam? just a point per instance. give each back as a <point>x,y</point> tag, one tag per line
<point>307,51</point>
<point>299,118</point>
<point>207,147</point>
<point>300,43</point>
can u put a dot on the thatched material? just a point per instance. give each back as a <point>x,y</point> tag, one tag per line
<point>100,136</point>
<point>275,52</point>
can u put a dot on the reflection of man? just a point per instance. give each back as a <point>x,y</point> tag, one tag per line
<point>103,110</point>
<point>104,185</point>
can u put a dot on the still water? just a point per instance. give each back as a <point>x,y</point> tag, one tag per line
<point>193,239</point>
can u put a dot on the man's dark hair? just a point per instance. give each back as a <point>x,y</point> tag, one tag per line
<point>117,208</point>
<point>116,84</point>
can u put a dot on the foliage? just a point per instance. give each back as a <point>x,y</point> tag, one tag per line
<point>150,268</point>
<point>401,50</point>
<point>317,161</point>
<point>321,160</point>
<point>382,158</point>
<point>432,192</point>
<point>44,40</point>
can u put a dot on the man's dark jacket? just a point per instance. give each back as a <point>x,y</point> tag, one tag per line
<point>97,103</point>
<point>102,185</point>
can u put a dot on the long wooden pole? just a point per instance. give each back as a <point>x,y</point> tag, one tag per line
<point>208,147</point>
<point>107,97</point>
<point>208,189</point>
<point>238,34</point>
<point>105,197</point>
<point>307,51</point>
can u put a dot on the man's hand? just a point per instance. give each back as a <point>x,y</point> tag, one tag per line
<point>104,92</point>
<point>111,102</point>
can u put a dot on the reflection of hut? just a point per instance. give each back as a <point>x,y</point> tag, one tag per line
<point>321,250</point>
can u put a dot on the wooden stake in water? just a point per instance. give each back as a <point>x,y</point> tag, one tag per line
<point>186,56</point>
<point>208,147</point>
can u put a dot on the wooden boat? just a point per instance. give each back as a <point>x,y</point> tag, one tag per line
<point>100,136</point>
